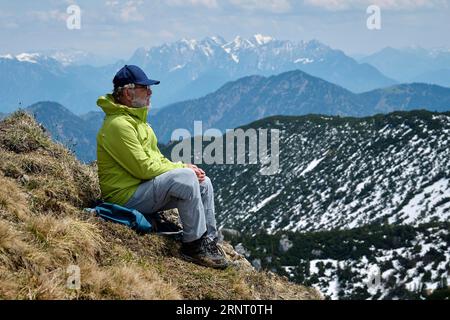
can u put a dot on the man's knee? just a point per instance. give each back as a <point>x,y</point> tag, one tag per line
<point>186,174</point>
<point>207,181</point>
<point>207,184</point>
<point>184,183</point>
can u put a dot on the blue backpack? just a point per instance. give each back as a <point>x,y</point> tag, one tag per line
<point>129,217</point>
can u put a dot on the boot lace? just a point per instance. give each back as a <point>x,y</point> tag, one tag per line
<point>212,248</point>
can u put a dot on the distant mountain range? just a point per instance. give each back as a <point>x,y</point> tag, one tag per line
<point>29,78</point>
<point>291,93</point>
<point>350,195</point>
<point>244,101</point>
<point>76,57</point>
<point>187,68</point>
<point>413,64</point>
<point>192,68</point>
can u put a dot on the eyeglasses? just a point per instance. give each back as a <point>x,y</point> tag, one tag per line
<point>137,86</point>
<point>147,88</point>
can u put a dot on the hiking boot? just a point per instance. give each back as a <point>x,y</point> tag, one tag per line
<point>204,252</point>
<point>218,245</point>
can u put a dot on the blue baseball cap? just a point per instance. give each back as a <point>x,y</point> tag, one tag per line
<point>132,74</point>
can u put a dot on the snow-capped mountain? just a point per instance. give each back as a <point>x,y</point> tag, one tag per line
<point>67,57</point>
<point>192,68</point>
<point>343,173</point>
<point>37,59</point>
<point>75,57</point>
<point>372,262</point>
<point>31,77</point>
<point>27,77</point>
<point>23,57</point>
<point>350,194</point>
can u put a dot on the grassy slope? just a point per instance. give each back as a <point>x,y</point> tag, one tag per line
<point>43,230</point>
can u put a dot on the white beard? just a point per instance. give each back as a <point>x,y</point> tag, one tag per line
<point>138,103</point>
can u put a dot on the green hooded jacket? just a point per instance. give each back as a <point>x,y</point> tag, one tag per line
<point>127,151</point>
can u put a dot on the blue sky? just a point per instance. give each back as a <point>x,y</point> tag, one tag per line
<point>117,27</point>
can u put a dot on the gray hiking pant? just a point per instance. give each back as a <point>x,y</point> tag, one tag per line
<point>179,188</point>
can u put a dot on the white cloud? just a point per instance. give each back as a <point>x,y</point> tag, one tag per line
<point>130,11</point>
<point>127,11</point>
<point>9,25</point>
<point>50,15</point>
<point>183,3</point>
<point>276,6</point>
<point>112,3</point>
<point>384,4</point>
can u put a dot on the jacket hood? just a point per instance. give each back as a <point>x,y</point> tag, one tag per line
<point>110,107</point>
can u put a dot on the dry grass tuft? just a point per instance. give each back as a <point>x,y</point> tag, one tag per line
<point>125,281</point>
<point>66,238</point>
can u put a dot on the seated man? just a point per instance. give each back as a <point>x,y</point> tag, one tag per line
<point>133,172</point>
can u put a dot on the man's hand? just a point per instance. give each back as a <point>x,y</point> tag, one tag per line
<point>199,172</point>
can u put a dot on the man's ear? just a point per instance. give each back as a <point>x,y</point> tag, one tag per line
<point>126,96</point>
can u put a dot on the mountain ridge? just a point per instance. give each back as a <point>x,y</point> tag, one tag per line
<point>332,139</point>
<point>353,199</point>
<point>411,64</point>
<point>291,93</point>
